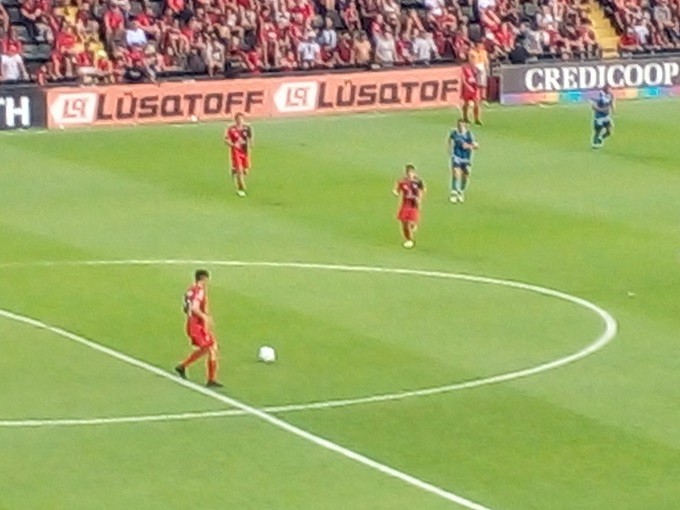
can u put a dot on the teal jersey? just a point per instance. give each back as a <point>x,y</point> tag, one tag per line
<point>460,140</point>
<point>603,104</point>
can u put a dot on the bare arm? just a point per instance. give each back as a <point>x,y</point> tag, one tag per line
<point>196,310</point>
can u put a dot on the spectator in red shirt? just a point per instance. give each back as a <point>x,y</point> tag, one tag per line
<point>506,37</point>
<point>628,42</point>
<point>145,20</point>
<point>105,73</point>
<point>344,50</point>
<point>10,44</point>
<point>114,25</point>
<point>404,46</point>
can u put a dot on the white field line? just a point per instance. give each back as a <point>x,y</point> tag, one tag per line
<point>600,342</point>
<point>70,422</point>
<point>258,413</point>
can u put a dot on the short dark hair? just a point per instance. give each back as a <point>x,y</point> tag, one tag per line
<point>201,274</point>
<point>410,167</point>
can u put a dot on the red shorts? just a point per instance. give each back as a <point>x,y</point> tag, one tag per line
<point>409,214</point>
<point>199,336</point>
<point>240,162</point>
<point>470,95</point>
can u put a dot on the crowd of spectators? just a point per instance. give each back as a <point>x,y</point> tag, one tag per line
<point>645,25</point>
<point>109,41</point>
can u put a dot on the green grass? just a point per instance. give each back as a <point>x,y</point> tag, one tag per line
<point>542,208</point>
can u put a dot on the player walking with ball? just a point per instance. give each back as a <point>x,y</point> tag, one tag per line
<point>199,329</point>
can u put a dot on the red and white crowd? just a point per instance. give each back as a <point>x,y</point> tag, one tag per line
<point>109,41</point>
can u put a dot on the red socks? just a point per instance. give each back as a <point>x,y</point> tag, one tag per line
<point>212,369</point>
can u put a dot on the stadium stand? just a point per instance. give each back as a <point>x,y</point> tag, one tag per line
<point>108,41</point>
<point>645,26</point>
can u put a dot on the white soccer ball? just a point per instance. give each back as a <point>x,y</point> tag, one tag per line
<point>266,354</point>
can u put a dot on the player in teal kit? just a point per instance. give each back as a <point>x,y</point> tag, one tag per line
<point>603,107</point>
<point>461,143</point>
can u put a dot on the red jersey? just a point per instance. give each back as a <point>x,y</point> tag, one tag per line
<point>114,20</point>
<point>469,84</point>
<point>239,137</point>
<point>410,191</point>
<point>194,294</point>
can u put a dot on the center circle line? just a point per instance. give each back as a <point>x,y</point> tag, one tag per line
<point>599,343</point>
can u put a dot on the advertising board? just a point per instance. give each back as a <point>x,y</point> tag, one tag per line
<point>256,97</point>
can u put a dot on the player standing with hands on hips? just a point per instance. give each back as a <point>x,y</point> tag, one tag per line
<point>239,137</point>
<point>411,189</point>
<point>199,329</point>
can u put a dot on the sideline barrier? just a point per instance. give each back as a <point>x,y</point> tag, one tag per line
<point>257,97</point>
<point>22,107</point>
<point>567,82</point>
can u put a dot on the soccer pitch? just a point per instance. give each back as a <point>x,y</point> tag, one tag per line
<point>524,356</point>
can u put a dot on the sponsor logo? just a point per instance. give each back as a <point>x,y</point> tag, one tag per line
<point>15,112</point>
<point>256,97</point>
<point>296,97</point>
<point>165,105</point>
<point>629,75</point>
<point>352,94</point>
<point>73,109</point>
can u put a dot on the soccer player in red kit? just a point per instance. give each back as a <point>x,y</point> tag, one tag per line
<point>199,329</point>
<point>469,92</point>
<point>239,137</point>
<point>411,190</point>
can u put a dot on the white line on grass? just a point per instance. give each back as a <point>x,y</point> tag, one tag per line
<point>607,336</point>
<point>258,413</point>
